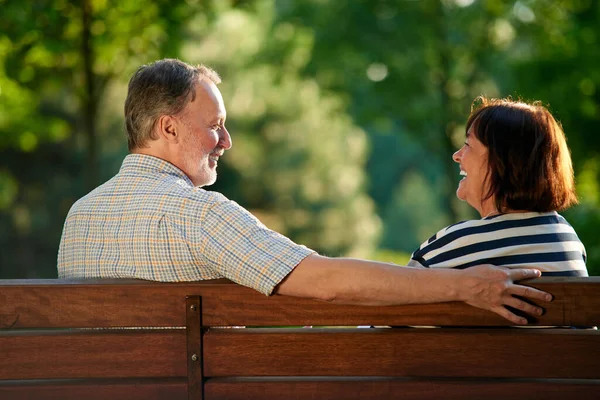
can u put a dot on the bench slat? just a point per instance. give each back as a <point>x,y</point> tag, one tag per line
<point>408,389</point>
<point>61,303</point>
<point>409,352</point>
<point>96,389</point>
<point>92,354</point>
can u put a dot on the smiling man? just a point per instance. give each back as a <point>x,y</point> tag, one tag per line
<point>154,221</point>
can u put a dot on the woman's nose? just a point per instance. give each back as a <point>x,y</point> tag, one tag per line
<point>457,155</point>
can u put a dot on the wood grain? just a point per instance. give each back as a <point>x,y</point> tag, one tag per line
<point>409,352</point>
<point>92,354</point>
<point>97,389</point>
<point>407,389</point>
<point>118,303</point>
<point>411,363</point>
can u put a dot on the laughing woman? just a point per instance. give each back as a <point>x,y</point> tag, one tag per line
<point>517,174</point>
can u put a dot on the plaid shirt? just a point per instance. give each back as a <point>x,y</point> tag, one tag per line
<point>150,222</point>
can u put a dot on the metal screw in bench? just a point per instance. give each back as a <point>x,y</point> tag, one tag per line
<point>193,307</point>
<point>194,357</point>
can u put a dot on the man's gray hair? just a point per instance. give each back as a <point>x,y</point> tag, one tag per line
<point>161,88</point>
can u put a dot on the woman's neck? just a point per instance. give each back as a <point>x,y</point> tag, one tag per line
<point>488,208</point>
<point>491,211</point>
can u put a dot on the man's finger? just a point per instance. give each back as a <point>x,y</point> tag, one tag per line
<point>529,292</point>
<point>519,304</point>
<point>503,312</point>
<point>524,273</point>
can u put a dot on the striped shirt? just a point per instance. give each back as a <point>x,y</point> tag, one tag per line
<point>541,240</point>
<point>150,222</point>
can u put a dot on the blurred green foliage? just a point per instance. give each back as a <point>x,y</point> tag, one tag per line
<point>344,115</point>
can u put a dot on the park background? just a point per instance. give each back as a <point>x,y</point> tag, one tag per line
<point>344,114</point>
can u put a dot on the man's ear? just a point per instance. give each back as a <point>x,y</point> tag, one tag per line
<point>167,128</point>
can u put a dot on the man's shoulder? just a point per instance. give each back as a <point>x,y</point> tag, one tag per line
<point>88,200</point>
<point>148,194</point>
<point>201,199</point>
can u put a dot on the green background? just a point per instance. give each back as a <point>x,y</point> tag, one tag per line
<point>344,114</point>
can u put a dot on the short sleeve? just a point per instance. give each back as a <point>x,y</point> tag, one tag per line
<point>240,248</point>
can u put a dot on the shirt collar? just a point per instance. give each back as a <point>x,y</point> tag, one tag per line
<point>142,163</point>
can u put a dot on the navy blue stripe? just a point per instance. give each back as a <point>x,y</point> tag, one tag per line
<point>458,223</point>
<point>504,242</point>
<point>525,259</point>
<point>421,261</point>
<point>492,227</point>
<point>431,239</point>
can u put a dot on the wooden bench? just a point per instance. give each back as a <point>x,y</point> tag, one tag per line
<point>124,339</point>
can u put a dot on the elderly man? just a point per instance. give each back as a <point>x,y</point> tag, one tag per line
<point>153,221</point>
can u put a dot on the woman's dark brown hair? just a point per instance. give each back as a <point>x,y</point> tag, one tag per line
<point>529,162</point>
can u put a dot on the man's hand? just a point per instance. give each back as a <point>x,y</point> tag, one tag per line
<point>361,282</point>
<point>492,288</point>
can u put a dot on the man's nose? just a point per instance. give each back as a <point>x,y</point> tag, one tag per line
<point>225,139</point>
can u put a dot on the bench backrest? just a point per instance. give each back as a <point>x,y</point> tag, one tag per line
<point>146,340</point>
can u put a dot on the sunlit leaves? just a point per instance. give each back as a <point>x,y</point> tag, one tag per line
<point>300,155</point>
<point>588,186</point>
<point>43,103</point>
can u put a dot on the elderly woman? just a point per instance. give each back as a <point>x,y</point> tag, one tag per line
<point>517,174</point>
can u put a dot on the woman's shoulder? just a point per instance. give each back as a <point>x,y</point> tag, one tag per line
<point>533,221</point>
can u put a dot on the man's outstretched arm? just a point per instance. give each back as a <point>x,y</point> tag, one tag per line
<point>353,281</point>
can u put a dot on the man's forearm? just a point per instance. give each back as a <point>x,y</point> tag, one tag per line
<point>353,281</point>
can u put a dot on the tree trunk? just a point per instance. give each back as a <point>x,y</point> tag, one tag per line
<point>90,102</point>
